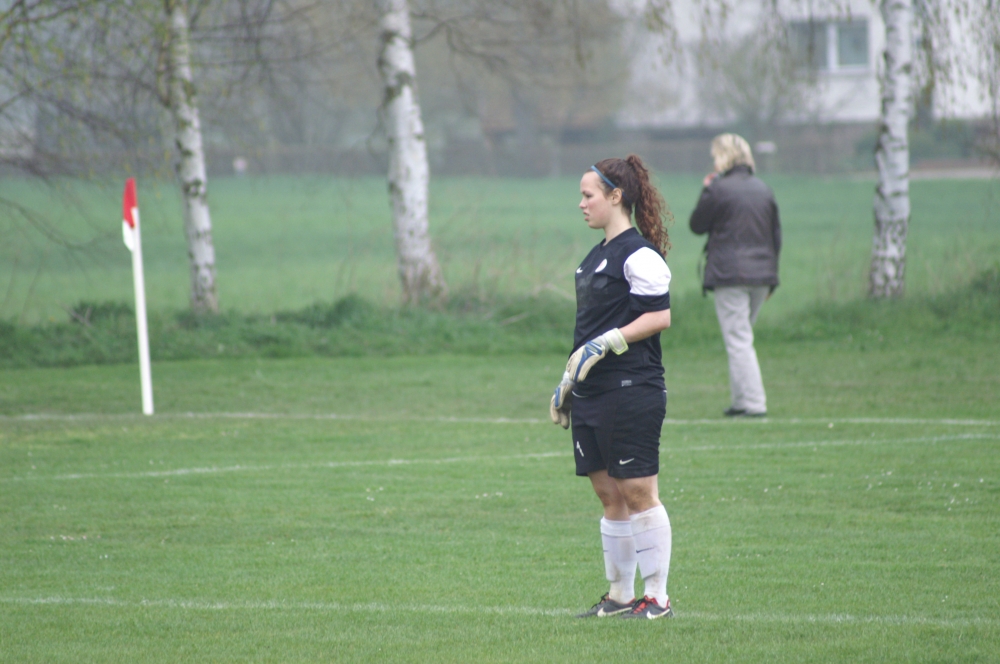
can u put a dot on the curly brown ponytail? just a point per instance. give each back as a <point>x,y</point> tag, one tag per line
<point>638,193</point>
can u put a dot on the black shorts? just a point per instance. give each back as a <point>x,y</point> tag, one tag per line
<point>619,431</point>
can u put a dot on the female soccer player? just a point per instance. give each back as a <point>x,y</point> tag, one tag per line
<point>614,381</point>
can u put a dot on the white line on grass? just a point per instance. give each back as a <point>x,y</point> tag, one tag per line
<point>841,618</point>
<point>202,605</point>
<point>214,470</point>
<point>209,470</point>
<point>82,417</point>
<point>835,443</point>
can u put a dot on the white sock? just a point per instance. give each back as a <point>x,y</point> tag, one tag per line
<point>651,530</point>
<point>619,559</point>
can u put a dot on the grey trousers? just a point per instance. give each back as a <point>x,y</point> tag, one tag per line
<point>737,308</point>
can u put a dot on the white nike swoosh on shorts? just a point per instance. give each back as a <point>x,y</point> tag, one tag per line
<point>625,461</point>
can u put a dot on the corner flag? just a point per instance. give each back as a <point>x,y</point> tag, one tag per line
<point>133,240</point>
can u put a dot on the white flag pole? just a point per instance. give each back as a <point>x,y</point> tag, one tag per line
<point>142,329</point>
<point>133,240</point>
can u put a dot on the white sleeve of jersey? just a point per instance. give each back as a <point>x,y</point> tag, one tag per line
<point>647,273</point>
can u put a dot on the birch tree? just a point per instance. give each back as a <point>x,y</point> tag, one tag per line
<point>104,86</point>
<point>180,99</point>
<point>922,52</point>
<point>988,34</point>
<point>892,153</point>
<point>409,172</point>
<point>523,45</point>
<point>942,58</point>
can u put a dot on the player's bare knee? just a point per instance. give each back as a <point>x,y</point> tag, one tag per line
<point>640,494</point>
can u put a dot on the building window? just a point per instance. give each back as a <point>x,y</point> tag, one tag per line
<point>808,44</point>
<point>852,43</point>
<point>829,45</point>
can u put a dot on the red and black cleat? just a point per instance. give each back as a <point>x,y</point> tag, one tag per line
<point>648,608</point>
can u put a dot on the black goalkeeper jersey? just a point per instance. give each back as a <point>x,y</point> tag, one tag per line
<point>615,284</point>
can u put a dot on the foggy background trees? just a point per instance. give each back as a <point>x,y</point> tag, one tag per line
<point>98,89</point>
<point>294,86</point>
<point>520,88</point>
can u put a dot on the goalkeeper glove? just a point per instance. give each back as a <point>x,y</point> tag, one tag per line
<point>562,402</point>
<point>586,356</point>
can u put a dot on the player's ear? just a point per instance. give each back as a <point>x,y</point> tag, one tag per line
<point>616,196</point>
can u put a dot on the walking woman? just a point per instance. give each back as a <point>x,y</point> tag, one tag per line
<point>613,387</point>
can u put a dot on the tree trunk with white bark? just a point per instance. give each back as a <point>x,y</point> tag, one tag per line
<point>892,154</point>
<point>989,76</point>
<point>409,173</point>
<point>191,170</point>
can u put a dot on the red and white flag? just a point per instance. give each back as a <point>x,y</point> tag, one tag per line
<point>130,214</point>
<point>132,235</point>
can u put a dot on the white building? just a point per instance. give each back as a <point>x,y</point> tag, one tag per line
<point>722,70</point>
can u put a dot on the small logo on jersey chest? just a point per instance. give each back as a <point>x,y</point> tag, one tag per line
<point>603,265</point>
<point>626,383</point>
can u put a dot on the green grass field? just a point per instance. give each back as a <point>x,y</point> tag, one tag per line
<point>286,243</point>
<point>419,507</point>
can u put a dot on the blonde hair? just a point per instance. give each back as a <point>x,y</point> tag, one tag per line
<point>729,150</point>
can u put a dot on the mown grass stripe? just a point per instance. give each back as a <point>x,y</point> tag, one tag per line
<point>376,607</point>
<point>214,470</point>
<point>202,605</point>
<point>839,443</point>
<point>73,417</point>
<point>292,466</point>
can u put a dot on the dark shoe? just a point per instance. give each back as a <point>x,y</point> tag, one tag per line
<point>739,412</point>
<point>606,607</point>
<point>648,608</point>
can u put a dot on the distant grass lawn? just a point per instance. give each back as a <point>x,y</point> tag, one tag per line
<point>420,509</point>
<point>414,505</point>
<point>286,242</point>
